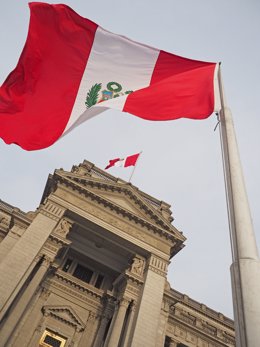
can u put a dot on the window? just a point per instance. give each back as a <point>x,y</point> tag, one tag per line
<point>167,341</point>
<point>50,339</point>
<point>99,281</point>
<point>83,273</point>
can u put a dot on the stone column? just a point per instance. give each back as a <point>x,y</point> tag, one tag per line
<point>129,326</point>
<point>149,310</point>
<point>118,324</point>
<point>101,331</point>
<point>16,263</point>
<point>24,300</point>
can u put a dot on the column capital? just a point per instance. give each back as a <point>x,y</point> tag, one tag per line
<point>158,265</point>
<point>124,302</point>
<point>52,210</point>
<point>46,261</point>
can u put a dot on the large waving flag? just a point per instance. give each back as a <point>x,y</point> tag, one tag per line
<point>71,69</point>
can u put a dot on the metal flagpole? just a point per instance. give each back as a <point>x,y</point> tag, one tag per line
<point>245,269</point>
<point>135,166</point>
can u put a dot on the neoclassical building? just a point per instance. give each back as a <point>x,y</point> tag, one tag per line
<point>88,268</point>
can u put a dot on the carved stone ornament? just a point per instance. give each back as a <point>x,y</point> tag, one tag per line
<point>80,170</point>
<point>65,314</point>
<point>137,266</point>
<point>5,220</point>
<point>63,227</point>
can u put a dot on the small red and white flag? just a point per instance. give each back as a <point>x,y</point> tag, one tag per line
<point>124,162</point>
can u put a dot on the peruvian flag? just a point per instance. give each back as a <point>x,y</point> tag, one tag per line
<point>71,69</point>
<point>125,162</point>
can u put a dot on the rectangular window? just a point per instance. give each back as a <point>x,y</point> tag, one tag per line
<point>83,273</point>
<point>50,339</point>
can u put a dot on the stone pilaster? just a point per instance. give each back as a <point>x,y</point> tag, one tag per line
<point>147,320</point>
<point>14,266</point>
<point>24,300</point>
<point>10,240</point>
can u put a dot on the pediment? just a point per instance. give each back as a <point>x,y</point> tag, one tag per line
<point>123,195</point>
<point>65,314</point>
<point>124,202</point>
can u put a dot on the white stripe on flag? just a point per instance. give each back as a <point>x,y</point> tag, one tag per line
<point>133,71</point>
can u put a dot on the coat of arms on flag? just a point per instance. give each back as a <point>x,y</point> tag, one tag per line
<point>114,90</point>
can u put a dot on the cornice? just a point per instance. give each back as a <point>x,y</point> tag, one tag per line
<point>15,215</point>
<point>197,333</point>
<point>177,297</point>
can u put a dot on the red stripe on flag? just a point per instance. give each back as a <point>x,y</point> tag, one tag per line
<point>49,72</point>
<point>179,87</point>
<point>131,160</point>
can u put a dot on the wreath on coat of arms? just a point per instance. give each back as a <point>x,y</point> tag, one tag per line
<point>114,90</point>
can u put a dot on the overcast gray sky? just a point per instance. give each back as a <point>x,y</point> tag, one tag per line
<point>181,161</point>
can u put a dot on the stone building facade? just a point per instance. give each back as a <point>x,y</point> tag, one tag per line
<point>88,268</point>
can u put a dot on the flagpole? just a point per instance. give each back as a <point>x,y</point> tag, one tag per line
<point>134,167</point>
<point>245,268</point>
